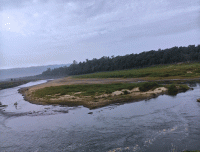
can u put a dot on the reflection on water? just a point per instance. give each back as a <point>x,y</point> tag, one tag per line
<point>162,124</point>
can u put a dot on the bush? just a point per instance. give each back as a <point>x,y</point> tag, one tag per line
<point>126,92</point>
<point>148,86</point>
<point>172,90</point>
<point>183,88</point>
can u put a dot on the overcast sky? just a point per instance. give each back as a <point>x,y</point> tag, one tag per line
<point>42,32</point>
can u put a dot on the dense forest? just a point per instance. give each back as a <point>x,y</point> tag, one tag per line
<point>144,59</point>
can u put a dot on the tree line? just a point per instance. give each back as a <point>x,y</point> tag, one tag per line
<point>172,55</point>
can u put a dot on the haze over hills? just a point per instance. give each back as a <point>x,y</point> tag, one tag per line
<point>23,72</point>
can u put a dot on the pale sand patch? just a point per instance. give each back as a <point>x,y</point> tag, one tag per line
<point>102,96</point>
<point>158,90</point>
<point>65,98</point>
<point>116,93</point>
<point>135,89</point>
<point>189,72</point>
<point>77,93</point>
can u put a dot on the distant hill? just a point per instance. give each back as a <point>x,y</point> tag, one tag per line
<point>29,71</point>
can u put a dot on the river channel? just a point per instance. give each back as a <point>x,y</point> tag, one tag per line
<point>163,124</point>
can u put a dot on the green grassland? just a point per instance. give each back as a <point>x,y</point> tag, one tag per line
<point>173,71</point>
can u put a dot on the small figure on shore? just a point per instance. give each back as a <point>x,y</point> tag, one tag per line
<point>15,104</point>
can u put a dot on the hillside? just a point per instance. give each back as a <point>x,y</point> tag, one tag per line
<point>24,72</point>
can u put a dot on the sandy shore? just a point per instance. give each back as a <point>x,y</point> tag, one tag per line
<point>88,101</point>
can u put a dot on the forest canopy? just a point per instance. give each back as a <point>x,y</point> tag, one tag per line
<point>130,61</point>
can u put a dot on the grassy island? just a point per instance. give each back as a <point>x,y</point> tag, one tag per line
<point>97,95</point>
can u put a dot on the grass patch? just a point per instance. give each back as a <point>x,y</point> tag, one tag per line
<point>148,86</point>
<point>185,70</point>
<point>173,89</point>
<point>183,87</point>
<point>90,89</point>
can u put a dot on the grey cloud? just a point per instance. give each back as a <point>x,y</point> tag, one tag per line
<point>95,8</point>
<point>12,3</point>
<point>80,28</point>
<point>18,3</point>
<point>174,25</point>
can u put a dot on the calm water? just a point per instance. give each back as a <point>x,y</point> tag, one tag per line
<point>163,124</point>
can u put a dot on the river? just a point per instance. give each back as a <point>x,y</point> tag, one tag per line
<point>166,123</point>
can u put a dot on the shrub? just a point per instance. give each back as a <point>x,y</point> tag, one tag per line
<point>148,86</point>
<point>184,88</point>
<point>126,92</point>
<point>172,90</point>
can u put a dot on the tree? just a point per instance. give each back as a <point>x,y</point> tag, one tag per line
<point>75,62</point>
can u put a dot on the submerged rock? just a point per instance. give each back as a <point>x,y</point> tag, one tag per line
<point>198,100</point>
<point>3,105</point>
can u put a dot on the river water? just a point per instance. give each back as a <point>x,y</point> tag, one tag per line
<point>164,124</point>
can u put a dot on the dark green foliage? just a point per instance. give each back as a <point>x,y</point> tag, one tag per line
<point>183,88</point>
<point>133,61</point>
<point>148,86</point>
<point>172,89</point>
<point>126,92</point>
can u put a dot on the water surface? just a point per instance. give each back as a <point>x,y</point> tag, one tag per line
<point>164,124</point>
